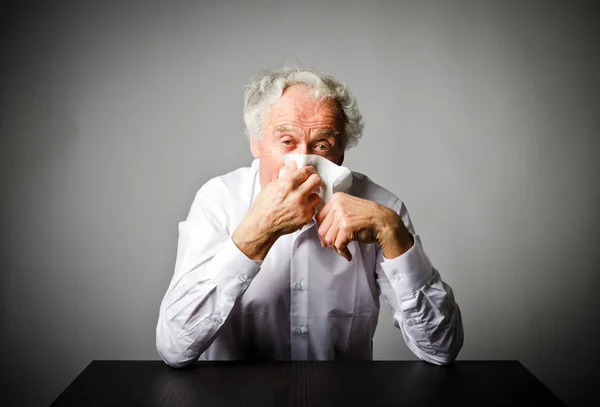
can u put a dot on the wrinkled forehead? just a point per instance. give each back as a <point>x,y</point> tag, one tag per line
<point>299,103</point>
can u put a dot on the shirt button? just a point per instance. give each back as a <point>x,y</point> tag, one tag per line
<point>298,286</point>
<point>242,279</point>
<point>218,320</point>
<point>398,277</point>
<point>409,323</point>
<point>299,331</point>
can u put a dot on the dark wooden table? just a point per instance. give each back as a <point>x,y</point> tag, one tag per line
<point>464,383</point>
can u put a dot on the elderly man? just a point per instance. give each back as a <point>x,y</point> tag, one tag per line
<point>259,276</point>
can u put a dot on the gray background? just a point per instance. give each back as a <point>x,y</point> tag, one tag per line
<point>482,116</point>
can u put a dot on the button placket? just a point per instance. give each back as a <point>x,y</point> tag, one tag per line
<point>299,297</point>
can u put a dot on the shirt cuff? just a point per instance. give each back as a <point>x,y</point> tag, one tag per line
<point>409,271</point>
<point>235,270</point>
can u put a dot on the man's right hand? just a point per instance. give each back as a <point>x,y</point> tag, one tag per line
<point>282,207</point>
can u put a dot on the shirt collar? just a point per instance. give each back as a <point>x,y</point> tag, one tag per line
<point>256,180</point>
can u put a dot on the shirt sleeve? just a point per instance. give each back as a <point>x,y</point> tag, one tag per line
<point>423,305</point>
<point>211,273</point>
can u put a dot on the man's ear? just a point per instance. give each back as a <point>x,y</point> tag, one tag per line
<point>254,148</point>
<point>341,160</point>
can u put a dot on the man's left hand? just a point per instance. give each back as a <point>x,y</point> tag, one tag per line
<point>345,218</point>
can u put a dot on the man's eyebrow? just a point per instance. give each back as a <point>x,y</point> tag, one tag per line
<point>327,132</point>
<point>319,133</point>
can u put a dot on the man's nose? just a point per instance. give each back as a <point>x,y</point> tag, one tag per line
<point>301,149</point>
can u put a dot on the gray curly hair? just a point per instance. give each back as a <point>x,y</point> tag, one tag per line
<point>266,88</point>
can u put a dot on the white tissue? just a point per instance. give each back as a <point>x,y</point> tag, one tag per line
<point>335,177</point>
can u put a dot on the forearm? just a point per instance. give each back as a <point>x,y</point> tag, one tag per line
<point>206,283</point>
<point>423,305</point>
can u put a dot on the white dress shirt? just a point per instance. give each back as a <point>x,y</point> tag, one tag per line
<point>303,302</point>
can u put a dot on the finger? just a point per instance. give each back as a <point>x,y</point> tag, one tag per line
<point>341,241</point>
<point>318,204</point>
<point>324,212</point>
<point>287,169</point>
<point>345,253</point>
<point>301,174</point>
<point>323,229</point>
<point>341,244</point>
<point>311,184</point>
<point>331,235</point>
<point>314,199</point>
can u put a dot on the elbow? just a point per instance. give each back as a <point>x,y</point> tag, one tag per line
<point>450,353</point>
<point>444,352</point>
<point>438,358</point>
<point>445,362</point>
<point>171,352</point>
<point>174,360</point>
<point>445,358</point>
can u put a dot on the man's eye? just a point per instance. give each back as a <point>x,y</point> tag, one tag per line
<point>287,142</point>
<point>322,147</point>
